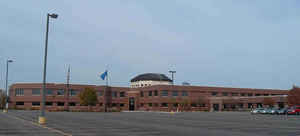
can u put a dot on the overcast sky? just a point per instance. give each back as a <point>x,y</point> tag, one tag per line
<point>232,43</point>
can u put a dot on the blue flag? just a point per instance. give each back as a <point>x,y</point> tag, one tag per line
<point>103,75</point>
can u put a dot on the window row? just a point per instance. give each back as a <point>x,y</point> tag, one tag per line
<point>61,92</point>
<point>173,104</point>
<point>63,104</point>
<point>237,94</point>
<point>165,93</point>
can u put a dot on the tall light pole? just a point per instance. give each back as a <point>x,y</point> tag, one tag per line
<point>6,82</point>
<point>172,72</point>
<point>42,119</point>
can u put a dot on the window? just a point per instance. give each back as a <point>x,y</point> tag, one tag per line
<point>49,103</point>
<point>142,94</point>
<point>202,105</point>
<point>250,94</point>
<point>184,93</point>
<point>150,93</point>
<point>19,103</point>
<point>257,94</point>
<point>156,104</point>
<point>155,93</point>
<point>19,92</point>
<point>225,94</point>
<point>73,92</point>
<point>234,94</point>
<point>114,94</point>
<point>164,104</point>
<point>174,93</point>
<point>250,105</point>
<point>122,94</point>
<point>241,105</point>
<point>243,94</point>
<point>72,104</point>
<point>142,104</point>
<point>164,93</point>
<point>150,104</point>
<point>114,105</point>
<point>36,92</point>
<point>266,94</point>
<point>60,103</point>
<point>100,93</point>
<point>35,104</point>
<point>100,104</point>
<point>121,104</point>
<point>194,105</point>
<point>214,93</point>
<point>60,92</point>
<point>175,104</point>
<point>49,92</point>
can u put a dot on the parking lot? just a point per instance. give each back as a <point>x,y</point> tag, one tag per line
<point>154,123</point>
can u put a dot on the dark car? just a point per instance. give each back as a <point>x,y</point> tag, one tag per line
<point>282,111</point>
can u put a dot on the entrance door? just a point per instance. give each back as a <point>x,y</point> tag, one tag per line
<point>131,103</point>
<point>216,107</point>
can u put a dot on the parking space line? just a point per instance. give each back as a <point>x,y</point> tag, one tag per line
<point>42,126</point>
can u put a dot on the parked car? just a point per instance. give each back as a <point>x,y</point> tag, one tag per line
<point>282,111</point>
<point>257,110</point>
<point>272,110</point>
<point>295,110</point>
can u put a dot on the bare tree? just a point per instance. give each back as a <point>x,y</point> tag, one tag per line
<point>3,99</point>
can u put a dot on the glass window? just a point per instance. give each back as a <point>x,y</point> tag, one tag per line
<point>234,94</point>
<point>142,104</point>
<point>36,92</point>
<point>194,105</point>
<point>164,93</point>
<point>19,103</point>
<point>114,105</point>
<point>49,92</point>
<point>61,92</point>
<point>184,93</point>
<point>19,92</point>
<point>60,103</point>
<point>257,94</point>
<point>114,94</point>
<point>150,93</point>
<point>202,105</point>
<point>225,94</point>
<point>100,93</point>
<point>35,104</point>
<point>174,93</point>
<point>250,105</point>
<point>73,92</point>
<point>164,104</point>
<point>142,94</point>
<point>250,94</point>
<point>72,104</point>
<point>122,94</point>
<point>214,93</point>
<point>155,93</point>
<point>49,103</point>
<point>243,94</point>
<point>121,104</point>
<point>150,104</point>
<point>266,94</point>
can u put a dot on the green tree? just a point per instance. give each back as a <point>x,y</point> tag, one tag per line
<point>88,97</point>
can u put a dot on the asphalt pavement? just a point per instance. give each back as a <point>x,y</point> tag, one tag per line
<point>160,124</point>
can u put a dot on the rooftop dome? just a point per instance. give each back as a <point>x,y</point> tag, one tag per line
<point>151,76</point>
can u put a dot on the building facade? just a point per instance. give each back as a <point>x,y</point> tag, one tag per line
<point>61,97</point>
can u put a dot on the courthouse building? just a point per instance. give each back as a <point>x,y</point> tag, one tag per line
<point>147,92</point>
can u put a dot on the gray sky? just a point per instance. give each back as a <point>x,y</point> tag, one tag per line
<point>233,43</point>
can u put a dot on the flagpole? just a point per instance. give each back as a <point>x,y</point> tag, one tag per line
<point>107,78</point>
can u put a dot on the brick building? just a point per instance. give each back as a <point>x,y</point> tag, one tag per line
<point>152,97</point>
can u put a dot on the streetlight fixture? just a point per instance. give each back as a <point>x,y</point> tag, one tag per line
<point>42,119</point>
<point>172,72</point>
<point>6,83</point>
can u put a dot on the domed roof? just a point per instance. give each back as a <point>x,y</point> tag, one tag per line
<point>151,76</point>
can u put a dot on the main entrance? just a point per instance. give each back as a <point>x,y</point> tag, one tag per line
<point>131,103</point>
<point>216,107</point>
